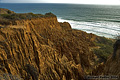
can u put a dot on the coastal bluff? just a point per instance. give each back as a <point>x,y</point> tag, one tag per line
<point>38,47</point>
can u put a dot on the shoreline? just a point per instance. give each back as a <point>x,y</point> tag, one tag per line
<point>90,28</point>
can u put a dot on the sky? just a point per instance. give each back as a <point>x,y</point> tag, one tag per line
<point>107,2</point>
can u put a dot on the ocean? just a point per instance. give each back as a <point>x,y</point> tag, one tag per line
<point>102,20</point>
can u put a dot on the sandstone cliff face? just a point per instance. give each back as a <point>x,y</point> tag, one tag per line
<point>41,48</point>
<point>44,49</point>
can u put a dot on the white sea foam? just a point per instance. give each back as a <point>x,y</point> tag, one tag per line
<point>100,28</point>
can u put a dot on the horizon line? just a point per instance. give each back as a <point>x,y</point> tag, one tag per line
<point>58,3</point>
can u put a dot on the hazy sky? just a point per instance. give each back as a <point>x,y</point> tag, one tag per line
<point>115,2</point>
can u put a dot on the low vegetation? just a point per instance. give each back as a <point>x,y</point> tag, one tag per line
<point>6,18</point>
<point>105,48</point>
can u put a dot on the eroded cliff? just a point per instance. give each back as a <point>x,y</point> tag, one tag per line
<point>42,48</point>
